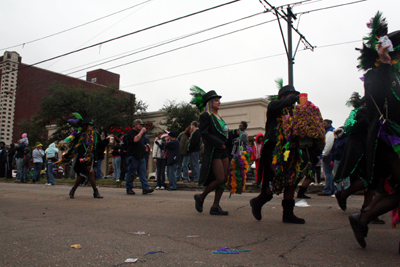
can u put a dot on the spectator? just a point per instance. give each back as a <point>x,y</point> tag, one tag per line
<point>10,160</point>
<point>51,158</point>
<point>255,156</point>
<point>24,139</point>
<point>329,188</point>
<point>183,164</point>
<point>116,153</point>
<point>147,154</point>
<point>159,152</point>
<point>173,157</point>
<point>25,165</point>
<point>135,147</point>
<point>3,160</point>
<point>337,153</point>
<point>194,150</point>
<point>241,141</point>
<point>19,159</point>
<point>37,155</point>
<point>101,147</point>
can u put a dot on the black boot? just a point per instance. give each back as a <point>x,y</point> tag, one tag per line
<point>257,203</point>
<point>96,193</point>
<point>288,215</point>
<point>342,202</point>
<point>301,193</point>
<point>360,231</point>
<point>72,192</point>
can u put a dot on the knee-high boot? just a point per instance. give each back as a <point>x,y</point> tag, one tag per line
<point>288,215</point>
<point>257,203</point>
<point>72,193</point>
<point>96,193</point>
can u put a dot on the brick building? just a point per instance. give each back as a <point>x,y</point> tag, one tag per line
<point>22,89</point>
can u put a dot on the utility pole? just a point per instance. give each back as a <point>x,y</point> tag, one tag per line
<point>288,46</point>
<point>290,49</point>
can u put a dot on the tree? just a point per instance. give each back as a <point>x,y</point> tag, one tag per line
<point>107,107</point>
<point>179,115</point>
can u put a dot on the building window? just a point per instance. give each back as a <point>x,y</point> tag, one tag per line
<point>93,80</point>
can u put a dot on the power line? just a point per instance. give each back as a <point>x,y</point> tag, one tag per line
<point>185,46</point>
<point>101,33</point>
<point>167,42</point>
<point>128,34</point>
<point>51,35</point>
<point>319,9</point>
<point>212,68</point>
<point>233,64</point>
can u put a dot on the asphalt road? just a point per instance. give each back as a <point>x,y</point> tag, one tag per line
<point>38,225</point>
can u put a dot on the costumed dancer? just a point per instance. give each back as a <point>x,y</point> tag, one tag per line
<point>217,141</point>
<point>281,161</point>
<point>84,144</point>
<point>380,58</point>
<point>353,164</point>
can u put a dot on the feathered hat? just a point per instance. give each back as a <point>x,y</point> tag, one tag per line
<point>355,100</point>
<point>78,122</point>
<point>379,34</point>
<point>200,97</point>
<point>283,90</point>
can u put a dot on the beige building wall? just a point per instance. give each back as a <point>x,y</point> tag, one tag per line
<point>253,111</point>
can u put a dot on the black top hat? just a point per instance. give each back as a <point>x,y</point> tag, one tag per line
<point>287,89</point>
<point>210,95</point>
<point>87,121</point>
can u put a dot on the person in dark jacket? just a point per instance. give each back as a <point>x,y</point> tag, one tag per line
<point>337,153</point>
<point>25,165</point>
<point>136,151</point>
<point>19,160</point>
<point>216,137</point>
<point>3,160</point>
<point>194,150</point>
<point>173,158</point>
<point>382,93</point>
<point>287,97</point>
<point>10,160</point>
<point>101,147</point>
<point>116,153</point>
<point>182,168</point>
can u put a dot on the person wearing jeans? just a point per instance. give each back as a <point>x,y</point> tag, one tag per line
<point>37,155</point>
<point>19,160</point>
<point>160,160</point>
<point>183,163</point>
<point>49,172</point>
<point>329,188</point>
<point>173,157</point>
<point>136,150</point>
<point>51,157</point>
<point>26,163</point>
<point>194,149</point>
<point>139,166</point>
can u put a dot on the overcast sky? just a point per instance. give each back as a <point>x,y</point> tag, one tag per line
<point>241,65</point>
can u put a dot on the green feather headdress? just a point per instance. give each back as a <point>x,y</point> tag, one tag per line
<point>279,85</point>
<point>369,55</point>
<point>198,95</point>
